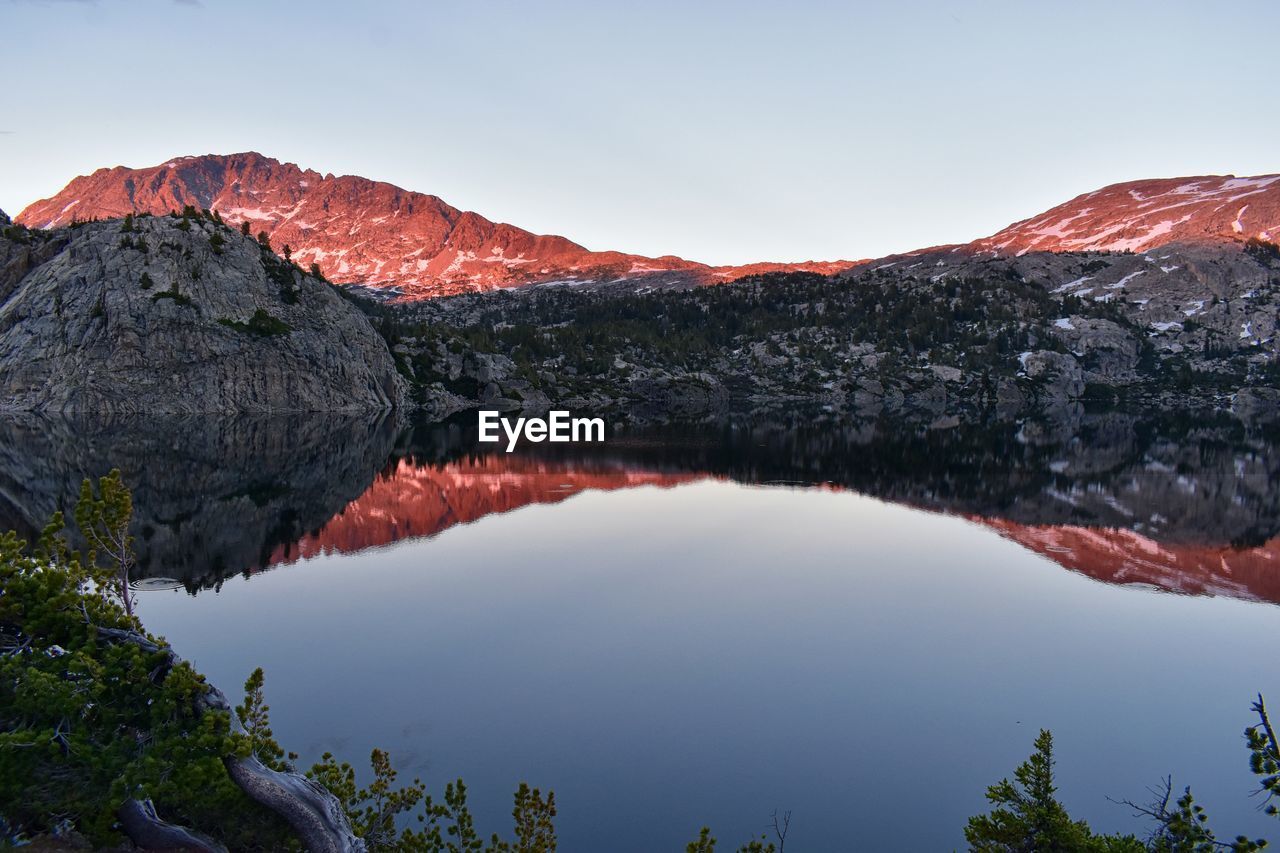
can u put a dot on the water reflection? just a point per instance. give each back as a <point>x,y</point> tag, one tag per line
<point>716,624</point>
<point>1185,505</point>
<point>212,497</point>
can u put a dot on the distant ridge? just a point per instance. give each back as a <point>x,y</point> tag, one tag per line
<point>416,245</point>
<point>365,232</point>
<point>1142,215</point>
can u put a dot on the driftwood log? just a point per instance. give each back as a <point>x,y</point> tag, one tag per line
<point>314,813</point>
<point>145,829</point>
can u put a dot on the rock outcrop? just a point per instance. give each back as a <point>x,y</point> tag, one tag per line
<point>937,332</point>
<point>178,315</point>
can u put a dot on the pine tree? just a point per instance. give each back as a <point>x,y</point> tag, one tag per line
<point>1027,818</point>
<point>103,520</point>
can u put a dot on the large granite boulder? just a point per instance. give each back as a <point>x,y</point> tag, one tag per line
<point>1057,376</point>
<point>169,315</point>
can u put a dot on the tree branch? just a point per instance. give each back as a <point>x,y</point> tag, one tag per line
<point>1260,707</point>
<point>139,821</point>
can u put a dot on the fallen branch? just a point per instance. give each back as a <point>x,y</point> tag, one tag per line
<point>310,809</point>
<point>314,813</point>
<point>145,829</point>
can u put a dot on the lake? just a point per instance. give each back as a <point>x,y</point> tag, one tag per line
<point>864,623</point>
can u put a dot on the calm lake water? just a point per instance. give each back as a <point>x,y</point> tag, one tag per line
<point>865,624</point>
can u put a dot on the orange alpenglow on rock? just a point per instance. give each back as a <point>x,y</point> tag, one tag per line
<point>367,232</point>
<point>1141,215</point>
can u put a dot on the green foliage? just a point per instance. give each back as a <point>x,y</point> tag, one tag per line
<point>172,293</point>
<point>261,324</point>
<point>145,282</point>
<point>95,711</point>
<point>282,274</point>
<point>1028,818</point>
<point>253,716</point>
<point>1264,755</point>
<point>130,242</point>
<point>264,240</point>
<point>103,519</point>
<point>446,826</point>
<point>373,810</point>
<point>758,845</point>
<point>216,242</point>
<point>17,234</point>
<point>534,820</point>
<point>1185,828</point>
<point>244,228</point>
<point>706,843</point>
<point>1263,251</point>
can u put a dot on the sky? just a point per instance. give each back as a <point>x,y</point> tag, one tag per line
<point>725,132</point>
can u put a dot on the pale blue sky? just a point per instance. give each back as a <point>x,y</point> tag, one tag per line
<point>721,131</point>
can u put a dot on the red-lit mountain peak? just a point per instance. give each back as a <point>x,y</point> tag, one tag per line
<point>1141,215</point>
<point>361,231</point>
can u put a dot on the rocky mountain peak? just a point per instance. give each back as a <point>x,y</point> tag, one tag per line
<point>1141,215</point>
<point>415,245</point>
<point>365,232</point>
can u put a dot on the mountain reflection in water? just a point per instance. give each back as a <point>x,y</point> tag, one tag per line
<point>1187,506</point>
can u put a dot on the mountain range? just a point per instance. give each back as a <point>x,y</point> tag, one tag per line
<point>1138,216</point>
<point>412,245</point>
<point>367,232</point>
